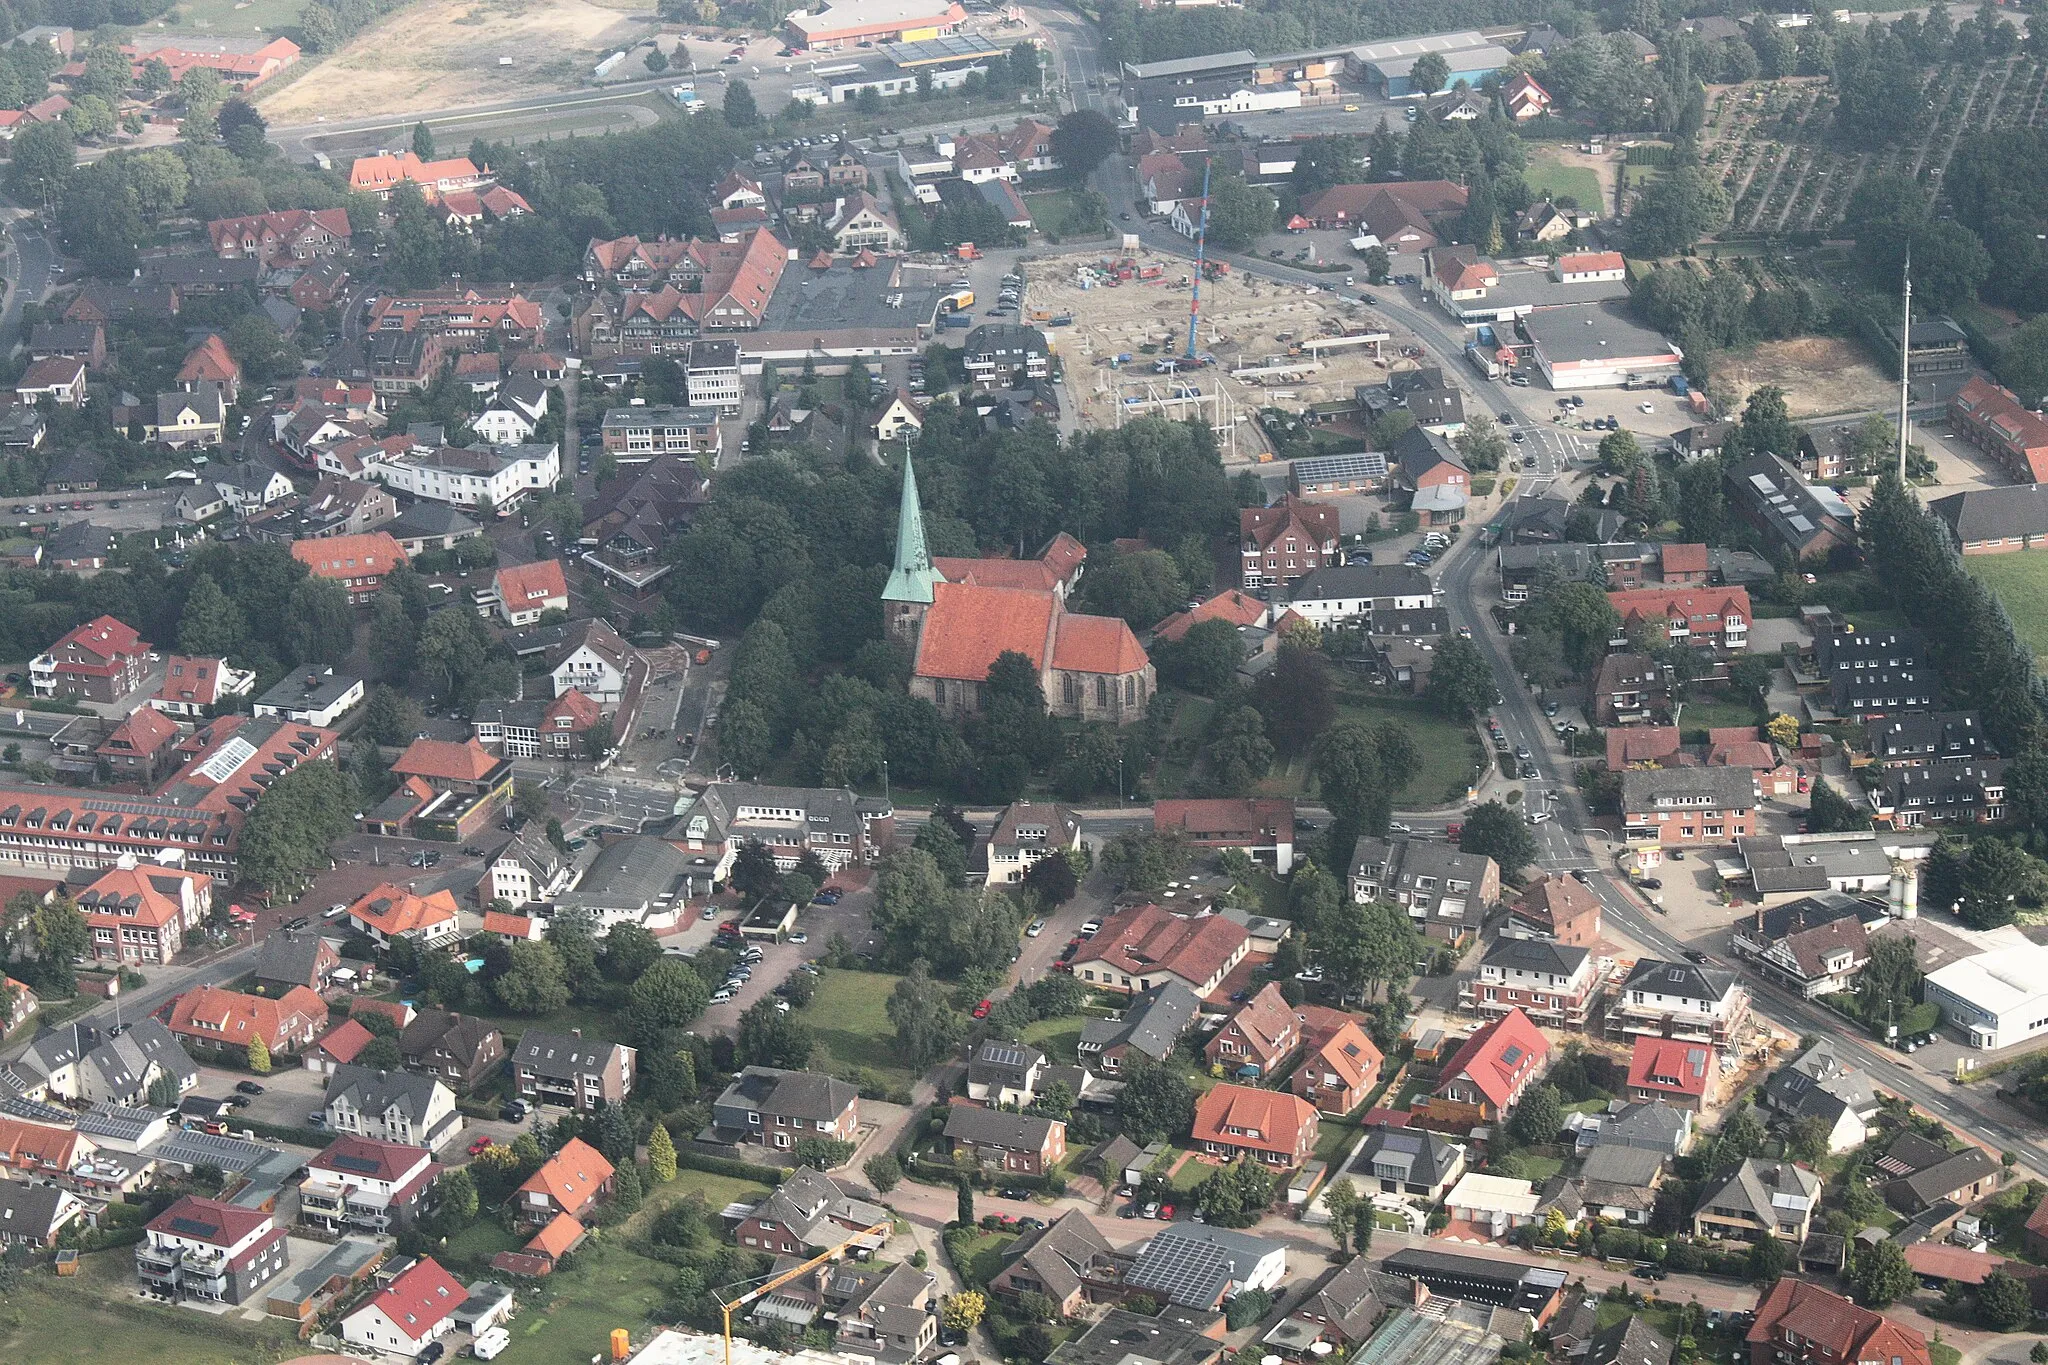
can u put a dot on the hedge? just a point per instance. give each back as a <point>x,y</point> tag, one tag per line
<point>298,1137</point>
<point>760,1173</point>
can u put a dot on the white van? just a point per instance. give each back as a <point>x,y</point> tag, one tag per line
<point>490,1344</point>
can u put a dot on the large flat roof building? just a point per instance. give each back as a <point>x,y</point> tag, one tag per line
<point>1995,999</point>
<point>1593,346</point>
<point>846,23</point>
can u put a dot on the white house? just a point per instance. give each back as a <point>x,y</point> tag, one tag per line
<point>1025,833</point>
<point>501,474</point>
<point>525,591</point>
<point>1994,999</point>
<point>1356,592</point>
<point>592,661</point>
<point>251,488</point>
<point>391,1106</point>
<point>503,426</point>
<point>528,869</point>
<point>416,1306</point>
<point>363,1183</point>
<point>1492,1202</point>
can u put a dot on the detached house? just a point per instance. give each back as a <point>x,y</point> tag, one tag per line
<point>1816,945</point>
<point>1271,1126</point>
<point>1263,1033</point>
<point>1672,1070</point>
<point>1144,947</point>
<point>1005,1074</point>
<point>416,1307</point>
<point>362,1184</point>
<point>1679,1000</point>
<point>460,1052</point>
<point>1341,1064</point>
<point>1485,1078</point>
<point>226,1019</point>
<point>1264,829</point>
<point>1152,1024</point>
<point>573,1181</point>
<point>385,913</point>
<point>1803,1322</point>
<point>1759,1197</point>
<point>1685,807</point>
<point>1280,543</point>
<point>564,1069</point>
<point>995,1140</point>
<point>1446,891</point>
<point>1069,1262</point>
<point>1027,832</point>
<point>807,1211</point>
<point>391,1106</point>
<point>781,1108</point>
<point>102,660</point>
<point>209,1250</point>
<point>525,591</point>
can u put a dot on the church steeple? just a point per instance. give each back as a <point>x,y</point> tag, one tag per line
<point>910,581</point>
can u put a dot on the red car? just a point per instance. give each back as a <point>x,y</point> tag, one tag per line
<point>1166,1213</point>
<point>479,1145</point>
<point>981,1010</point>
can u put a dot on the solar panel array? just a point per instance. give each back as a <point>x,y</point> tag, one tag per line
<point>1190,1272</point>
<point>192,1227</point>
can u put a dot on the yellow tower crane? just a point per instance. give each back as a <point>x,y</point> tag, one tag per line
<point>880,1230</point>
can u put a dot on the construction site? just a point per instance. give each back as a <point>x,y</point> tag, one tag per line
<point>1258,343</point>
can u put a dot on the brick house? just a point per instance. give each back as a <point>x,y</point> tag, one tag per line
<point>139,749</point>
<point>1686,807</point>
<point>1286,540</point>
<point>1671,1070</point>
<point>1485,1078</point>
<point>779,1108</point>
<point>460,1051</point>
<point>220,1018</point>
<point>806,1211</point>
<point>563,1068</point>
<point>1803,1324</point>
<point>1069,1262</point>
<point>1020,1144</point>
<point>357,562</point>
<point>142,914</point>
<point>208,1250</point>
<point>1341,1064</point>
<point>1144,946</point>
<point>1262,1034</point>
<point>574,1181</point>
<point>1702,618</point>
<point>1264,829</point>
<point>1271,1126</point>
<point>1994,420</point>
<point>1558,907</point>
<point>102,660</point>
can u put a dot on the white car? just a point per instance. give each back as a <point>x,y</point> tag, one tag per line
<point>1398,827</point>
<point>723,994</point>
<point>1537,817</point>
<point>1091,928</point>
<point>1646,407</point>
<point>1037,928</point>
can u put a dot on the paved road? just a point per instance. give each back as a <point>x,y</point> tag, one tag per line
<point>29,269</point>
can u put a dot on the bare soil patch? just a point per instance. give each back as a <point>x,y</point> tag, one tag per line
<point>441,53</point>
<point>1819,375</point>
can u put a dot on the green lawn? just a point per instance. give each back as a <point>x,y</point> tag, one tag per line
<point>1448,752</point>
<point>48,1321</point>
<point>1056,1038</point>
<point>1060,213</point>
<point>1713,713</point>
<point>482,1240</point>
<point>1334,1139</point>
<point>2021,582</point>
<point>607,1285</point>
<point>1190,1174</point>
<point>1537,1169</point>
<point>221,17</point>
<point>1545,176</point>
<point>718,1191</point>
<point>850,1018</point>
<point>981,1257</point>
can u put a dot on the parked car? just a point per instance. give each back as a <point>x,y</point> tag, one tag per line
<point>981,1010</point>
<point>249,1087</point>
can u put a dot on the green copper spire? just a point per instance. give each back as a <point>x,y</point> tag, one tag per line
<point>912,578</point>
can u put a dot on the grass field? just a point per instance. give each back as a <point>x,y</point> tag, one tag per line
<point>1056,1038</point>
<point>1553,178</point>
<point>981,1256</point>
<point>1447,751</point>
<point>607,1286</point>
<point>228,17</point>
<point>2021,582</point>
<point>48,1321</point>
<point>849,1015</point>
<point>1713,713</point>
<point>1059,213</point>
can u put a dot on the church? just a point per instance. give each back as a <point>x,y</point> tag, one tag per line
<point>959,615</point>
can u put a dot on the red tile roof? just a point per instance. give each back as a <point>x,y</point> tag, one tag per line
<point>1313,522</point>
<point>1499,1058</point>
<point>1683,558</point>
<point>393,911</point>
<point>511,926</point>
<point>1834,1324</point>
<point>96,646</point>
<point>1030,575</point>
<point>208,1220</point>
<point>524,586</point>
<point>29,1146</point>
<point>1589,262</point>
<point>556,1239</point>
<point>1983,403</point>
<point>1268,1120</point>
<point>1554,901</point>
<point>382,171</point>
<point>1245,820</point>
<point>1628,744</point>
<point>1266,1025</point>
<point>1096,644</point>
<point>420,1299</point>
<point>210,1014</point>
<point>1671,1066</point>
<point>1146,939</point>
<point>209,360</point>
<point>362,556</point>
<point>146,730</point>
<point>345,1041</point>
<point>1339,1043</point>
<point>572,1177</point>
<point>193,682</point>
<point>1703,608</point>
<point>1939,1261</point>
<point>969,626</point>
<point>444,759</point>
<point>368,1157</point>
<point>1238,608</point>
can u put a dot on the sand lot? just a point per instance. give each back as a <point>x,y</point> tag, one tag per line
<point>1820,375</point>
<point>1244,323</point>
<point>440,53</point>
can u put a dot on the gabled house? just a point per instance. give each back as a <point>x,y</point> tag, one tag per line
<point>209,1250</point>
<point>1486,1076</point>
<point>1685,807</point>
<point>217,1018</point>
<point>142,914</point>
<point>781,1108</point>
<point>1960,1178</point>
<point>391,1106</point>
<point>1069,1262</point>
<point>1557,907</point>
<point>565,1069</point>
<point>1758,1197</point>
<point>1668,1069</point>
<point>385,912</point>
<point>1407,1161</point>
<point>575,1180</point>
<point>1446,891</point>
<point>102,660</point>
<point>36,1215</point>
<point>997,1141</point>
<point>1270,1126</point>
<point>1816,945</point>
<point>1005,1074</point>
<point>1264,829</point>
<point>807,1211</point>
<point>1679,1000</point>
<point>1803,1322</point>
<point>1280,543</point>
<point>1258,1038</point>
<point>1554,984</point>
<point>1198,1266</point>
<point>460,1051</point>
<point>1341,1064</point>
<point>1145,947</point>
<point>1820,1084</point>
<point>1026,832</point>
<point>1152,1023</point>
<point>416,1307</point>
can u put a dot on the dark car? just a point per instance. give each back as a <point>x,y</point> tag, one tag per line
<point>249,1087</point>
<point>512,1111</point>
<point>1695,956</point>
<point>1650,884</point>
<point>1651,1272</point>
<point>431,1352</point>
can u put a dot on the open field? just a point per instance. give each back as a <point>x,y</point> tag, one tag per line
<point>48,1321</point>
<point>1553,174</point>
<point>1244,323</point>
<point>850,1017</point>
<point>1820,375</point>
<point>2021,582</point>
<point>1059,213</point>
<point>225,18</point>
<point>439,53</point>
